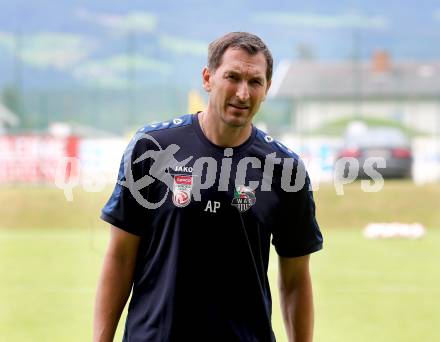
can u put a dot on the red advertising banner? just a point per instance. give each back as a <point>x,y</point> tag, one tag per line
<point>34,158</point>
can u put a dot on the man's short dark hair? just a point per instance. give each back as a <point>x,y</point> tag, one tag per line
<point>249,42</point>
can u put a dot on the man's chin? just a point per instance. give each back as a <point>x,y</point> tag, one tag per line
<point>235,120</point>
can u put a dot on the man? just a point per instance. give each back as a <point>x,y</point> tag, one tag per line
<point>196,204</point>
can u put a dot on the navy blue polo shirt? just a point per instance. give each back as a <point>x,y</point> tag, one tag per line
<point>206,229</point>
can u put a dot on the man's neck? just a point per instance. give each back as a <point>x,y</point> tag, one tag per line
<point>221,134</point>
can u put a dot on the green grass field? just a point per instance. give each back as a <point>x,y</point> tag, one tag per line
<point>381,290</point>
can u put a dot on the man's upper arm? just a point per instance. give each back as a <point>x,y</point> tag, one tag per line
<point>293,271</point>
<point>123,245</point>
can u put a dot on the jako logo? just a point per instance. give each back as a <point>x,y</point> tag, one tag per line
<point>183,169</point>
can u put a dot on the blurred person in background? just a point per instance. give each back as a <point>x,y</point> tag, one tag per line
<point>196,266</point>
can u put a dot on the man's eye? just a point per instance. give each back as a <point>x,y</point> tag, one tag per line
<point>231,77</point>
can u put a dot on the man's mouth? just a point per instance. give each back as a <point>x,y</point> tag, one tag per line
<point>239,106</point>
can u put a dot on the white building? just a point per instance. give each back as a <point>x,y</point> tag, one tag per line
<point>321,92</point>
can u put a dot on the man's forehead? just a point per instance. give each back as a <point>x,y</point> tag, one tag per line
<point>239,60</point>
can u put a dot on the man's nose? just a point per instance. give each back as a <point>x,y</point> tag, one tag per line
<point>242,92</point>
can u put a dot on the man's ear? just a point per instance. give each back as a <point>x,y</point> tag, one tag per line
<point>268,86</point>
<point>267,89</point>
<point>206,78</point>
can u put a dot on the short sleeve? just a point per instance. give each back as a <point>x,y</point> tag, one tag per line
<point>296,231</point>
<point>123,210</point>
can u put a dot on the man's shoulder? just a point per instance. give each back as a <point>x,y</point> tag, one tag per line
<point>184,120</point>
<point>159,134</point>
<point>270,145</point>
